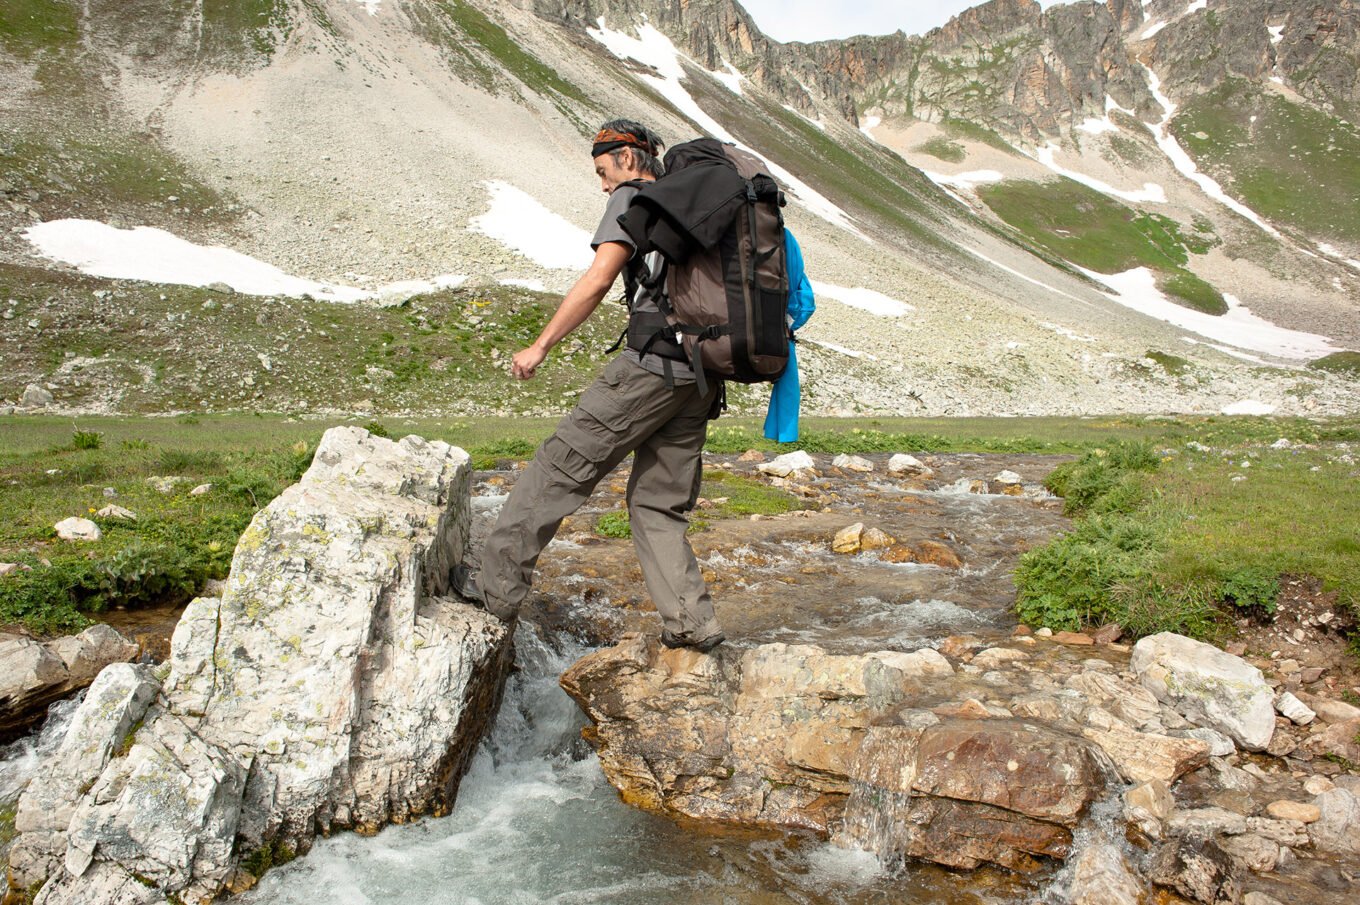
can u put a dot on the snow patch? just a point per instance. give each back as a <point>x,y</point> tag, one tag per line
<point>869,124</point>
<point>1137,289</point>
<point>803,116</point>
<point>1248,407</point>
<point>1093,126</point>
<point>156,256</point>
<point>731,78</point>
<point>1151,193</point>
<point>370,5</point>
<point>1332,251</point>
<point>1070,334</point>
<point>834,347</point>
<point>1196,6</point>
<point>1187,167</point>
<point>1153,29</point>
<point>965,181</point>
<point>519,222</point>
<point>1277,80</point>
<point>865,299</point>
<point>1276,33</point>
<point>1227,350</point>
<point>654,49</point>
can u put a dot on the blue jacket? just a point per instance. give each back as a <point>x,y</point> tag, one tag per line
<point>781,421</point>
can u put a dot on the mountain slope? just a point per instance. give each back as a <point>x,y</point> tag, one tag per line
<point>362,143</point>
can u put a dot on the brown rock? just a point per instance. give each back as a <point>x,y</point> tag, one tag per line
<point>1236,648</point>
<point>848,539</point>
<point>1152,797</point>
<point>1338,739</point>
<point>751,455</point>
<point>1132,703</point>
<point>1333,711</point>
<point>1311,675</point>
<point>1073,638</point>
<point>1285,809</point>
<point>1199,870</point>
<point>971,709</point>
<point>1022,631</point>
<point>959,647</point>
<point>1108,634</point>
<point>875,539</point>
<point>897,554</point>
<point>937,554</point>
<point>1142,756</point>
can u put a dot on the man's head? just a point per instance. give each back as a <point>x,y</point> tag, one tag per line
<point>625,150</point>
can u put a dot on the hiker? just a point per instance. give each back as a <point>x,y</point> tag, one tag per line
<point>647,404</point>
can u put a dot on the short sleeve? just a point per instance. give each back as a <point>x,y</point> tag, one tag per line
<point>609,229</point>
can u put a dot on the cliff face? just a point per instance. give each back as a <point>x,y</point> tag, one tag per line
<point>1015,67</point>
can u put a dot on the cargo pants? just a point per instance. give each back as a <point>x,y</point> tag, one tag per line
<point>626,410</point>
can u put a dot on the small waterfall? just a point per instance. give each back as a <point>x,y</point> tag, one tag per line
<point>21,760</point>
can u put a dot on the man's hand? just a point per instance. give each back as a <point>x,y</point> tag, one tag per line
<point>526,361</point>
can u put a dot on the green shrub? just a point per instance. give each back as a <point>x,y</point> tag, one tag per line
<point>1251,589</point>
<point>86,439</point>
<point>1104,480</point>
<point>378,429</point>
<point>942,148</point>
<point>614,524</point>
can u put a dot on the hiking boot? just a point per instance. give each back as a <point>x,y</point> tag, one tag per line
<point>674,641</point>
<point>465,585</point>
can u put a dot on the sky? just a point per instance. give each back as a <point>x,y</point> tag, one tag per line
<point>817,20</point>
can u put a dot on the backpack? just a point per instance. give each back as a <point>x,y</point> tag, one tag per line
<point>723,288</point>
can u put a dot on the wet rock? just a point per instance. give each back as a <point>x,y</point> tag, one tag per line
<point>1142,756</point>
<point>1152,798</point>
<point>847,540</point>
<point>1079,639</point>
<point>1316,785</point>
<point>1008,477</point>
<point>875,539</point>
<point>1207,686</point>
<point>1252,851</point>
<point>33,675</point>
<point>77,529</point>
<point>116,702</point>
<point>853,463</point>
<point>1197,869</point>
<point>1132,703</point>
<point>788,464</point>
<point>1219,744</point>
<point>993,657</point>
<point>35,396</point>
<point>331,685</point>
<point>1283,832</point>
<point>903,464</point>
<point>1294,709</point>
<point>1108,634</point>
<point>1101,876</point>
<point>1337,828</point>
<point>932,553</point>
<point>1259,898</point>
<point>1302,812</point>
<point>118,513</point>
<point>960,646</point>
<point>1204,823</point>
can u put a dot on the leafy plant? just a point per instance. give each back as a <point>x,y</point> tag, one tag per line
<point>614,524</point>
<point>1251,589</point>
<point>86,439</point>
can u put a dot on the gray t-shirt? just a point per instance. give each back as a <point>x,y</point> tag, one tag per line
<point>610,231</point>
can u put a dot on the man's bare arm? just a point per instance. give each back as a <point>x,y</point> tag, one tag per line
<point>578,305</point>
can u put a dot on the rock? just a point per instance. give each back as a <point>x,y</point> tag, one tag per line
<point>853,463</point>
<point>116,702</point>
<point>164,483</point>
<point>1332,711</point>
<point>1302,812</point>
<point>7,568</point>
<point>1008,477</point>
<point>932,553</point>
<point>1152,798</point>
<point>1295,710</point>
<point>993,657</point>
<point>1073,638</point>
<point>118,513</point>
<point>1337,828</point>
<point>1108,634</point>
<point>33,675</point>
<point>1311,674</point>
<point>1219,744</point>
<point>1337,740</point>
<point>1044,632</point>
<point>1259,898</point>
<point>35,397</point>
<point>971,709</point>
<point>1101,876</point>
<point>77,529</point>
<point>1252,851</point>
<point>847,540</point>
<point>1281,832</point>
<point>1141,756</point>
<point>332,685</point>
<point>1197,869</point>
<point>751,455</point>
<point>1316,785</point>
<point>110,493</point>
<point>201,489</point>
<point>788,464</point>
<point>901,463</point>
<point>1132,703</point>
<point>1203,823</point>
<point>875,539</point>
<point>1207,686</point>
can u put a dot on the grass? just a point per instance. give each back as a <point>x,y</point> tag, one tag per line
<point>30,26</point>
<point>1176,543</point>
<point>730,496</point>
<point>1096,232</point>
<point>1172,364</point>
<point>1347,363</point>
<point>970,131</point>
<point>1290,163</point>
<point>942,148</point>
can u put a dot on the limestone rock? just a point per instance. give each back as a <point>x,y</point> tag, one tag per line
<point>1208,687</point>
<point>903,464</point>
<point>1152,798</point>
<point>848,539</point>
<point>33,675</point>
<point>993,657</point>
<point>331,685</point>
<point>853,463</point>
<point>1204,823</point>
<point>1132,703</point>
<point>35,396</point>
<point>1333,711</point>
<point>201,490</point>
<point>1199,870</point>
<point>1219,744</point>
<point>1295,710</point>
<point>165,483</point>
<point>77,529</point>
<point>1142,756</point>
<point>1302,812</point>
<point>84,655</point>
<point>1252,851</point>
<point>1338,739</point>
<point>118,513</point>
<point>1101,876</point>
<point>1338,825</point>
<point>788,464</point>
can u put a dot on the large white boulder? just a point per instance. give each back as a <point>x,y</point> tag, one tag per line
<point>333,684</point>
<point>1208,687</point>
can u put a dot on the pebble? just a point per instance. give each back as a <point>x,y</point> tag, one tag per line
<point>1074,638</point>
<point>1284,809</point>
